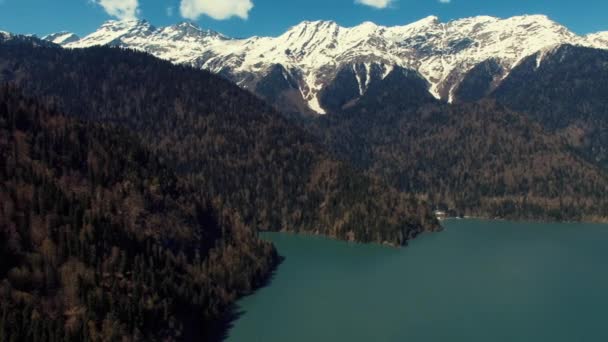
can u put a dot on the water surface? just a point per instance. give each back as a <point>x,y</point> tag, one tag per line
<point>476,281</point>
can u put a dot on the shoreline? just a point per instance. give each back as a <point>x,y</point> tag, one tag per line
<point>219,330</point>
<point>235,312</point>
<point>524,220</point>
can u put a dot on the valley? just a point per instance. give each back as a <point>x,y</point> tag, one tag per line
<point>153,179</point>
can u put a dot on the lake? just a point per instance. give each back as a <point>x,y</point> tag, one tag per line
<point>475,281</point>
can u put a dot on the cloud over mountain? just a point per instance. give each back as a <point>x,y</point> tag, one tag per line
<point>219,10</point>
<point>121,9</point>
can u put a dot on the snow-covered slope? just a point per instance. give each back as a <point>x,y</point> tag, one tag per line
<point>312,53</point>
<point>444,52</point>
<point>61,38</point>
<point>598,40</point>
<point>4,35</point>
<point>115,32</point>
<point>181,43</point>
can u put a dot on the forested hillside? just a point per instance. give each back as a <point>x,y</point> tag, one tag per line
<point>99,241</point>
<point>476,159</point>
<point>566,90</point>
<point>222,140</point>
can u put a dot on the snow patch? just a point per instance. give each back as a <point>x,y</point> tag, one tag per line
<point>358,79</point>
<point>61,38</point>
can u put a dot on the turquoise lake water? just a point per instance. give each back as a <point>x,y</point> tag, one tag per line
<point>476,281</point>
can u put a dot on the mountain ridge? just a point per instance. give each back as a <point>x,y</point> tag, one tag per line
<point>63,37</point>
<point>314,52</point>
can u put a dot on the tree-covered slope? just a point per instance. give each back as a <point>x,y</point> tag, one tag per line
<point>477,159</point>
<point>479,82</point>
<point>223,140</point>
<point>99,241</point>
<point>566,90</point>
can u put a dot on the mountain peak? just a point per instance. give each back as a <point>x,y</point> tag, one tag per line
<point>533,19</point>
<point>427,21</point>
<point>314,51</point>
<point>318,23</point>
<point>133,25</point>
<point>536,17</point>
<point>419,25</point>
<point>188,25</point>
<point>114,32</point>
<point>63,37</point>
<point>315,25</point>
<point>126,23</point>
<point>189,29</point>
<point>4,36</point>
<point>310,30</point>
<point>368,24</point>
<point>598,39</point>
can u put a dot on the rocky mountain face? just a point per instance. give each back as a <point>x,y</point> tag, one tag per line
<point>320,66</point>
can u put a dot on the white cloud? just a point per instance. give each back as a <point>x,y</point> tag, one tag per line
<point>445,1</point>
<point>216,9</point>
<point>121,9</point>
<point>375,3</point>
<point>169,11</point>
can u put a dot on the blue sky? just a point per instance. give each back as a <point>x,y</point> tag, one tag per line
<point>243,18</point>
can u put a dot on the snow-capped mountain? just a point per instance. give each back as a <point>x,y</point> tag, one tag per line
<point>304,61</point>
<point>598,40</point>
<point>7,37</point>
<point>4,35</point>
<point>61,38</point>
<point>181,43</point>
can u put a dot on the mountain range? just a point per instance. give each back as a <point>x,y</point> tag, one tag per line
<point>527,67</point>
<point>297,70</point>
<point>134,183</point>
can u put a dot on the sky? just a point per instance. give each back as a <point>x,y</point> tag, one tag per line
<point>245,18</point>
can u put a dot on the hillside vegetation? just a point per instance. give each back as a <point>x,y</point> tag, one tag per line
<point>231,146</point>
<point>476,159</point>
<point>99,241</point>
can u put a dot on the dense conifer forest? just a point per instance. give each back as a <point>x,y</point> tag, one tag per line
<point>99,241</point>
<point>477,159</point>
<point>228,144</point>
<point>567,94</point>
